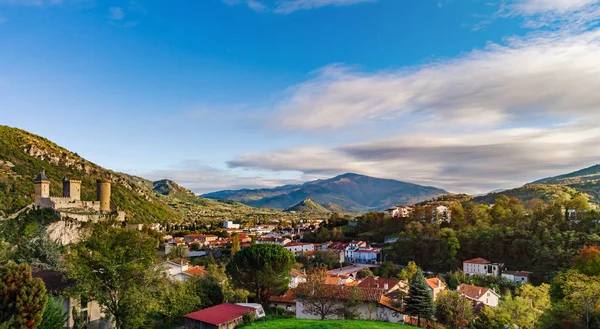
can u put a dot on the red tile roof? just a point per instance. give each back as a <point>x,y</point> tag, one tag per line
<point>220,314</point>
<point>196,271</point>
<point>287,298</point>
<point>477,261</point>
<point>472,292</point>
<point>436,283</point>
<point>179,261</point>
<point>344,292</point>
<point>295,272</point>
<point>372,282</point>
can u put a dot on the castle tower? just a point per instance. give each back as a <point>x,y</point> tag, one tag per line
<point>42,188</point>
<point>72,189</point>
<point>103,194</point>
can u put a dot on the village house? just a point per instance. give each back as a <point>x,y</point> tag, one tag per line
<point>391,239</point>
<point>388,285</point>
<point>230,224</point>
<point>223,316</point>
<point>485,296</point>
<point>372,306</point>
<point>400,211</point>
<point>520,277</point>
<point>435,287</point>
<point>482,267</point>
<point>57,285</point>
<point>279,241</point>
<point>200,238</point>
<point>296,277</point>
<point>180,270</point>
<point>298,248</point>
<point>285,302</point>
<point>366,255</point>
<point>440,214</point>
<point>353,246</point>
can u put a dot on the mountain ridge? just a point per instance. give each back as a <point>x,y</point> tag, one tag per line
<point>352,192</point>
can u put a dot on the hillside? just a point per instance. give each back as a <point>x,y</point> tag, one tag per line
<point>585,181</point>
<point>351,192</point>
<point>308,206</point>
<point>23,155</point>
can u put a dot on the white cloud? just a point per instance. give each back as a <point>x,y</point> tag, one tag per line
<point>116,13</point>
<point>529,7</point>
<point>290,6</point>
<point>557,74</point>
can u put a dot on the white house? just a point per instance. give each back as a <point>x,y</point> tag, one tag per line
<point>435,287</point>
<point>180,270</point>
<point>279,241</point>
<point>482,267</point>
<point>400,211</point>
<point>373,307</point>
<point>353,246</point>
<point>297,248</point>
<point>231,225</point>
<point>516,276</point>
<point>366,255</point>
<point>296,277</point>
<point>440,214</point>
<point>486,296</point>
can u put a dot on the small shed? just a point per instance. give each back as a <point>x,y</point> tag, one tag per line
<point>223,316</point>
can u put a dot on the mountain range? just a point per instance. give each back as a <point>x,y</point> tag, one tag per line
<point>349,192</point>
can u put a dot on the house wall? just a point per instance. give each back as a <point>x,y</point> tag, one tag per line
<point>489,299</point>
<point>482,269</point>
<point>388,315</point>
<point>290,307</point>
<point>363,310</point>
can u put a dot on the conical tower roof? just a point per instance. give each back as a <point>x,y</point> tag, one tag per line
<point>42,177</point>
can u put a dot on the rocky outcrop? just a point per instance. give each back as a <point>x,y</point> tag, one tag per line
<point>65,232</point>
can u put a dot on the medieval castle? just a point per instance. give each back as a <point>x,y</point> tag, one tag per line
<point>70,204</point>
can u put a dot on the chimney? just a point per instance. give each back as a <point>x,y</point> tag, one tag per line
<point>386,286</point>
<point>439,283</point>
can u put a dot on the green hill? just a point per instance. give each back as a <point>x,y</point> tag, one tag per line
<point>545,192</point>
<point>24,155</point>
<point>308,206</point>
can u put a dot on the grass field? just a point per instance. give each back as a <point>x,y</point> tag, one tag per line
<point>325,324</point>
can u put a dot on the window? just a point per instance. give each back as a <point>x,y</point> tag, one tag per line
<point>288,308</point>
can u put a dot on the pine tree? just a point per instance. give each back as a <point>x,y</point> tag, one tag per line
<point>419,302</point>
<point>22,298</point>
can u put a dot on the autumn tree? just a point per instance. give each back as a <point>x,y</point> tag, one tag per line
<point>316,296</point>
<point>263,269</point>
<point>453,310</point>
<point>235,244</point>
<point>22,298</point>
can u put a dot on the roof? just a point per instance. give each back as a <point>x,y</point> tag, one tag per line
<point>195,271</point>
<point>478,261</point>
<point>389,303</point>
<point>473,292</point>
<point>289,297</point>
<point>293,244</point>
<point>436,283</point>
<point>220,314</point>
<point>517,273</point>
<point>41,177</point>
<point>272,239</point>
<point>344,292</point>
<point>295,272</point>
<point>368,250</point>
<point>373,282</point>
<point>55,282</point>
<point>179,261</point>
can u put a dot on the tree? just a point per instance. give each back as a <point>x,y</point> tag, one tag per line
<point>364,273</point>
<point>587,261</point>
<point>408,272</point>
<point>235,244</point>
<point>179,298</point>
<point>419,302</point>
<point>53,317</point>
<point>118,268</point>
<point>316,296</point>
<point>179,251</point>
<point>262,268</point>
<point>453,310</point>
<point>22,298</point>
<point>387,270</point>
<point>349,309</point>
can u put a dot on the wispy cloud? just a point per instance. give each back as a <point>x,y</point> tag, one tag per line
<point>116,13</point>
<point>39,3</point>
<point>290,6</point>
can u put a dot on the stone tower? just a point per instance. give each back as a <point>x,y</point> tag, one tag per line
<point>72,189</point>
<point>42,188</point>
<point>103,194</point>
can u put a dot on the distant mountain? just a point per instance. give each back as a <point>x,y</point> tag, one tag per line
<point>350,192</point>
<point>585,181</point>
<point>168,187</point>
<point>308,206</point>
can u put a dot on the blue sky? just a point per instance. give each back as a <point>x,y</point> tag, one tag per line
<point>467,95</point>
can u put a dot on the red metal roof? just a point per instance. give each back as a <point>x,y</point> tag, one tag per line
<point>477,261</point>
<point>220,314</point>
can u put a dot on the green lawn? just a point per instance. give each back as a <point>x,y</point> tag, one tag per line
<point>325,324</point>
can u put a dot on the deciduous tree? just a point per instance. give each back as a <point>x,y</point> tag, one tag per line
<point>453,310</point>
